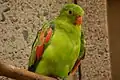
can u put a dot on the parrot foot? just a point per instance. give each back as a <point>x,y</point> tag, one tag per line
<point>61,78</point>
<point>55,77</point>
<point>58,78</point>
<point>64,78</point>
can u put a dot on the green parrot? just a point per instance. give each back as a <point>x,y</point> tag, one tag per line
<point>59,44</point>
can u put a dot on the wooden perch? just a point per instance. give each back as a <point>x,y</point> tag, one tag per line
<point>20,74</point>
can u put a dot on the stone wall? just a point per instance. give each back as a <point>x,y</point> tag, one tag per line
<point>21,19</point>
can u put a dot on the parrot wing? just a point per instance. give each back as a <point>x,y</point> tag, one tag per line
<point>41,41</point>
<point>81,55</point>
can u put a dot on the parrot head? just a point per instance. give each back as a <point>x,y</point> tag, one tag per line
<point>73,13</point>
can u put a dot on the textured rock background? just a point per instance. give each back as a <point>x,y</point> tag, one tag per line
<point>21,19</point>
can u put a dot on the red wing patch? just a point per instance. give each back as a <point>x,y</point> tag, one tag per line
<point>49,34</point>
<point>43,40</point>
<point>39,51</point>
<point>42,37</point>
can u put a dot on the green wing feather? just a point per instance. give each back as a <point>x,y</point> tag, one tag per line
<point>37,42</point>
<point>33,51</point>
<point>82,48</point>
<point>82,52</point>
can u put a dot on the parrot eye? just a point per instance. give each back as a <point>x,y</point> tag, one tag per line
<point>70,12</point>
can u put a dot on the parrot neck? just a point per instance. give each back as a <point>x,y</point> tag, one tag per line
<point>70,20</point>
<point>68,27</point>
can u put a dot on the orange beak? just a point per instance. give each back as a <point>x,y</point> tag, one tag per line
<point>78,20</point>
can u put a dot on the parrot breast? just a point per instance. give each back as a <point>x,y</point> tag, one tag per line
<point>60,56</point>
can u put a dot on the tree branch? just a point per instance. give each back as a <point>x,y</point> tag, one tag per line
<point>20,74</point>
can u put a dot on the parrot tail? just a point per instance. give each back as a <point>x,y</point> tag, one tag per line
<point>79,70</point>
<point>31,68</point>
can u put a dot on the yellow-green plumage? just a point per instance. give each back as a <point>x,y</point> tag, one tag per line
<point>64,47</point>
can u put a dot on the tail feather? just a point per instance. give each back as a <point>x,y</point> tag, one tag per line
<point>31,68</point>
<point>79,70</point>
